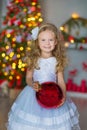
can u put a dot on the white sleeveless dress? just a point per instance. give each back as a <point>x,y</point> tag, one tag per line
<point>27,114</point>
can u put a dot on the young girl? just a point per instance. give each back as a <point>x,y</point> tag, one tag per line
<point>46,62</point>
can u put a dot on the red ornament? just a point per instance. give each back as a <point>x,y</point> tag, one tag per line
<point>3,32</point>
<point>50,95</point>
<point>86,40</point>
<point>71,38</point>
<point>5,22</point>
<point>13,20</point>
<point>20,0</point>
<point>73,72</point>
<point>33,8</point>
<point>83,86</point>
<point>34,0</point>
<point>81,47</point>
<point>84,65</point>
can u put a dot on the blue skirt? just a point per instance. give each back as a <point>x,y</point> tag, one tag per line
<point>27,114</point>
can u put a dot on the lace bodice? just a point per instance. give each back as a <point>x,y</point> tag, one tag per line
<point>46,71</point>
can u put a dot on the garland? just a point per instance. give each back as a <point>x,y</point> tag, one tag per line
<point>75,25</point>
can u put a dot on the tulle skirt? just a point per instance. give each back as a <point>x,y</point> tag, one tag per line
<point>27,114</point>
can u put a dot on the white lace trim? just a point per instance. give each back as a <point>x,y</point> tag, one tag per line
<point>17,126</point>
<point>46,120</point>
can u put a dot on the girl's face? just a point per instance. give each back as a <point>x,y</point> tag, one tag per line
<point>47,42</point>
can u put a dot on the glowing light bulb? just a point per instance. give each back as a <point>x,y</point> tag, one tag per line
<point>8,35</point>
<point>3,65</point>
<point>5,73</point>
<point>33,3</point>
<point>11,54</point>
<point>33,18</point>
<point>10,77</point>
<point>21,48</point>
<point>28,19</point>
<point>19,64</point>
<point>39,14</point>
<point>18,56</point>
<point>40,19</point>
<point>66,44</point>
<point>28,43</point>
<point>62,28</point>
<point>25,10</point>
<point>72,41</point>
<point>22,69</point>
<point>21,26</point>
<point>75,15</point>
<point>3,54</point>
<point>28,48</point>
<point>6,57</point>
<point>13,45</point>
<point>14,39</point>
<point>12,72</point>
<point>14,65</point>
<point>7,47</point>
<point>16,1</point>
<point>17,77</point>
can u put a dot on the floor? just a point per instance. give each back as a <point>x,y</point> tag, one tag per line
<point>5,104</point>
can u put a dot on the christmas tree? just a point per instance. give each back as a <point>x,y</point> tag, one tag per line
<point>21,17</point>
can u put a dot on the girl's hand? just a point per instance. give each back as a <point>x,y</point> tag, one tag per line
<point>63,100</point>
<point>36,86</point>
<point>64,97</point>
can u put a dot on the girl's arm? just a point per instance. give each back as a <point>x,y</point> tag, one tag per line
<point>30,82</point>
<point>61,83</point>
<point>29,77</point>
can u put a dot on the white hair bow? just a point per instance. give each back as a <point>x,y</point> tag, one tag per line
<point>34,33</point>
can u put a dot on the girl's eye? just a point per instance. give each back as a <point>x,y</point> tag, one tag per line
<point>51,40</point>
<point>43,39</point>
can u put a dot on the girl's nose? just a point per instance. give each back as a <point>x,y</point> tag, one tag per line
<point>48,41</point>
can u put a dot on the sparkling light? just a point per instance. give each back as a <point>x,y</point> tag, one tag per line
<point>8,35</point>
<point>75,15</point>
<point>33,3</point>
<point>11,54</point>
<point>25,10</point>
<point>62,28</point>
<point>18,56</point>
<point>21,48</point>
<point>72,41</point>
<point>14,39</point>
<point>3,54</point>
<point>40,19</point>
<point>66,44</point>
<point>14,65</point>
<point>6,57</point>
<point>7,47</point>
<point>17,77</point>
<point>3,65</point>
<point>22,69</point>
<point>5,73</point>
<point>10,77</point>
<point>21,26</point>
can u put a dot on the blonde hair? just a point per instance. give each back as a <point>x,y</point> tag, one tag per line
<point>58,52</point>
